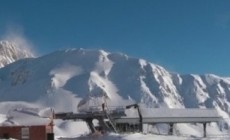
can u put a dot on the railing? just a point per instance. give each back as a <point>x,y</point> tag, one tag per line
<point>109,109</point>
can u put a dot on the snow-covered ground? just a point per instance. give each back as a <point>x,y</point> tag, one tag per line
<point>138,136</point>
<point>28,114</point>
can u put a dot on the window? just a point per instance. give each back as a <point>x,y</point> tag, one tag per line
<point>25,133</point>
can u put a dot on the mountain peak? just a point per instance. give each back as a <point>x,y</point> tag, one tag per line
<point>11,52</point>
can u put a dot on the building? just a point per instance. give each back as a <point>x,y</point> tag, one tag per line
<point>27,124</point>
<point>35,132</point>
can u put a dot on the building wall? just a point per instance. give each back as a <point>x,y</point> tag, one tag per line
<point>12,132</point>
<point>38,133</point>
<point>35,132</point>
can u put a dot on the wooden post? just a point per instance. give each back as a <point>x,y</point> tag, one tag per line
<point>204,127</point>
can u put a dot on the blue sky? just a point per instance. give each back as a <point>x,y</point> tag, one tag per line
<point>184,36</point>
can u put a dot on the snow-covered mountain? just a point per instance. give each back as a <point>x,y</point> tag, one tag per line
<point>10,52</point>
<point>63,78</point>
<point>85,73</point>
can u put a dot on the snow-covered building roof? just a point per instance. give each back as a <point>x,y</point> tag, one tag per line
<point>164,115</point>
<point>24,117</point>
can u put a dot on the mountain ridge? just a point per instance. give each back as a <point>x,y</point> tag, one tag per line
<point>130,78</point>
<point>11,52</point>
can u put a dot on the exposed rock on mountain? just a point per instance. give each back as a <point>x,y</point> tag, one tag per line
<point>10,52</point>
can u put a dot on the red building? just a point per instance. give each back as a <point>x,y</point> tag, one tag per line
<point>39,132</point>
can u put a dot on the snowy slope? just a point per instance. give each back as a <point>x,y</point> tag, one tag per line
<point>11,52</point>
<point>62,79</point>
